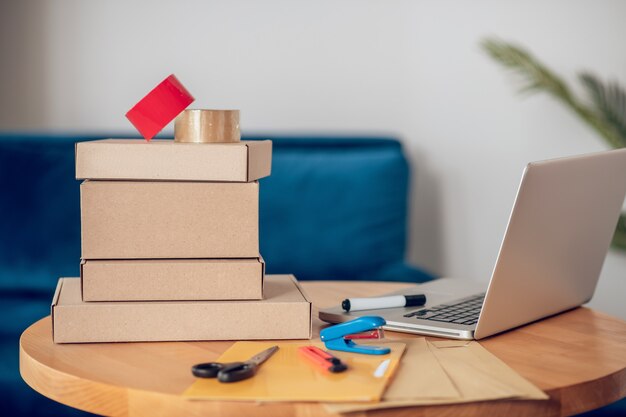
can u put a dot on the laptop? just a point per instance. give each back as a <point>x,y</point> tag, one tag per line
<point>550,259</point>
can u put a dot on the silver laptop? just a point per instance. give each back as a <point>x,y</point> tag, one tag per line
<point>550,259</point>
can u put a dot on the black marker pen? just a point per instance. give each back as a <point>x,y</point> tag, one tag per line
<point>374,303</point>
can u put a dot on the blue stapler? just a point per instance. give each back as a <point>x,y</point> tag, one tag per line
<point>337,337</point>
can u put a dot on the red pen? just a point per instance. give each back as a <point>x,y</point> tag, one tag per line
<point>323,359</point>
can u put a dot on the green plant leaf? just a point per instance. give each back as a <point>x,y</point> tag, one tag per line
<point>537,77</point>
<point>606,113</point>
<point>610,103</point>
<point>619,238</point>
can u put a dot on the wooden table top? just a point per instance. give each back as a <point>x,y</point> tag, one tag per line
<point>578,358</point>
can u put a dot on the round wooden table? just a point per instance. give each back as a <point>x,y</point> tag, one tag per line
<point>578,358</point>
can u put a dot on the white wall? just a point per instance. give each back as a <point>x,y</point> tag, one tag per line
<point>408,68</point>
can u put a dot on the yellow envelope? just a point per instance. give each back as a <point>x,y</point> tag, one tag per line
<point>287,376</point>
<point>448,372</point>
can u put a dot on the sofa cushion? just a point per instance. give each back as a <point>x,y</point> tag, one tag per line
<point>337,209</point>
<point>40,215</point>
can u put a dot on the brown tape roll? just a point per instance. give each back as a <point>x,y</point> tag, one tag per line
<point>207,126</point>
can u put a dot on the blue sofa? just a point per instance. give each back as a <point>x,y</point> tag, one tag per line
<point>333,208</point>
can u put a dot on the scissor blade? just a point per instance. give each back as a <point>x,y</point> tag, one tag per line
<point>263,356</point>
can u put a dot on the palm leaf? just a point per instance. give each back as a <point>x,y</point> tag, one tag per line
<point>534,75</point>
<point>537,77</point>
<point>619,238</point>
<point>610,102</point>
<point>606,115</point>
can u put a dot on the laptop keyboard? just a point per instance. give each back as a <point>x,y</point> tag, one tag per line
<point>463,312</point>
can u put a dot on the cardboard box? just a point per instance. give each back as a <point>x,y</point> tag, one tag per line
<point>134,159</point>
<point>172,279</point>
<point>175,220</point>
<point>285,313</point>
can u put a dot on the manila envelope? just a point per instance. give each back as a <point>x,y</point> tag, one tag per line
<point>448,372</point>
<point>479,375</point>
<point>287,376</point>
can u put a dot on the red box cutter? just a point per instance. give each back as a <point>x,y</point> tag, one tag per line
<point>323,359</point>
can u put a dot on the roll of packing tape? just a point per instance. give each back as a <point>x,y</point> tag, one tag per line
<point>207,126</point>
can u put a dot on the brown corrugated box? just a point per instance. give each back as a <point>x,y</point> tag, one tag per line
<point>285,313</point>
<point>134,159</point>
<point>165,219</point>
<point>172,279</point>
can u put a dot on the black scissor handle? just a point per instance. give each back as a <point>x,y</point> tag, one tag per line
<point>237,371</point>
<point>207,370</point>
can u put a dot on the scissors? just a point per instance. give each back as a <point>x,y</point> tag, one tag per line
<point>232,371</point>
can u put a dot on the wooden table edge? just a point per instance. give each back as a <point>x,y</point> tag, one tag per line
<point>37,375</point>
<point>114,400</point>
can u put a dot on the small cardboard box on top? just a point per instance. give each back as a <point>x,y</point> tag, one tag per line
<point>169,219</point>
<point>172,279</point>
<point>166,160</point>
<point>284,313</point>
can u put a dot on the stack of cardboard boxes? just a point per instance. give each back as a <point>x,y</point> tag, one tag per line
<point>170,248</point>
